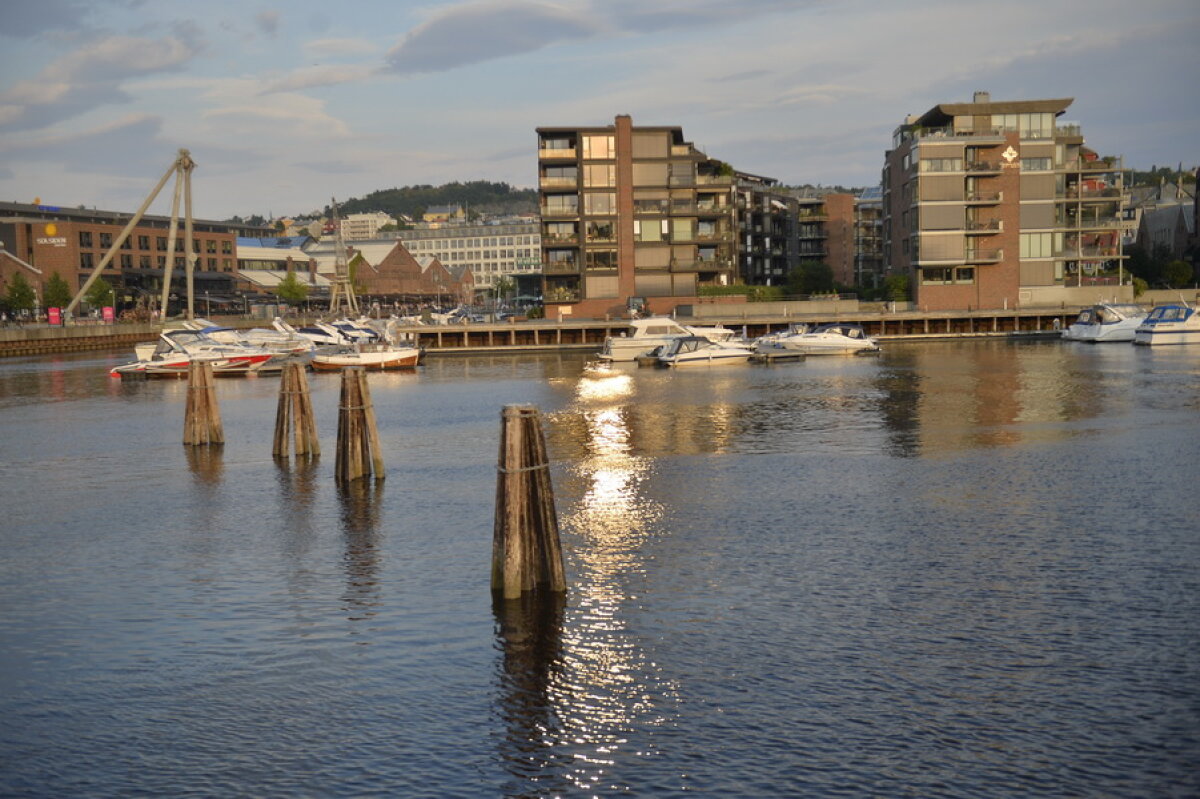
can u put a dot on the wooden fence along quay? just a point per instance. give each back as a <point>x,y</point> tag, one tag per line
<point>582,334</point>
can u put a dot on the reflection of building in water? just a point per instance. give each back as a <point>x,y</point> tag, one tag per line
<point>603,686</point>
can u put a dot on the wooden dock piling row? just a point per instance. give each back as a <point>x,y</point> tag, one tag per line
<point>358,450</point>
<point>294,418</point>
<point>202,419</point>
<point>526,550</point>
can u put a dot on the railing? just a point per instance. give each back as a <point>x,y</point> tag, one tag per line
<point>559,211</point>
<point>557,152</point>
<point>560,238</point>
<point>983,225</point>
<point>1098,165</point>
<point>1104,223</point>
<point>984,196</point>
<point>812,217</point>
<point>1069,129</point>
<point>948,132</point>
<point>560,268</point>
<point>709,209</point>
<point>562,295</point>
<point>702,265</point>
<point>558,183</point>
<point>983,166</point>
<point>714,180</point>
<point>1090,194</point>
<point>976,256</point>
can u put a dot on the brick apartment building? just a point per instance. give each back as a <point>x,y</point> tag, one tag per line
<point>998,205</point>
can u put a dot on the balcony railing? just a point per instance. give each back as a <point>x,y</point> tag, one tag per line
<point>701,265</point>
<point>558,183</point>
<point>987,197</point>
<point>983,166</point>
<point>983,225</point>
<point>988,256</point>
<point>561,294</point>
<point>549,212</point>
<point>1071,193</point>
<point>557,152</point>
<point>714,180</point>
<point>560,238</point>
<point>1102,223</point>
<point>560,268</point>
<point>711,209</point>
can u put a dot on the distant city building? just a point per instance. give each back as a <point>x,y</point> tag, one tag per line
<point>503,249</point>
<point>356,227</point>
<point>632,217</point>
<point>766,229</point>
<point>997,204</point>
<point>385,271</point>
<point>444,214</point>
<point>40,240</point>
<point>868,238</point>
<point>1165,218</point>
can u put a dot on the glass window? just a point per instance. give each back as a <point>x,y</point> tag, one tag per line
<point>106,240</point>
<point>85,238</point>
<point>599,175</point>
<point>599,147</point>
<point>86,260</point>
<point>941,165</point>
<point>1035,164</point>
<point>1036,245</point>
<point>600,203</point>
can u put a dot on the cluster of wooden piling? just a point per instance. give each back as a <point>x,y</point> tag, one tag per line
<point>294,419</point>
<point>526,552</point>
<point>358,451</point>
<point>202,419</point>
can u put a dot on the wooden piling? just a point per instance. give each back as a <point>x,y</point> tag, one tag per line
<point>526,550</point>
<point>358,450</point>
<point>294,416</point>
<point>202,418</point>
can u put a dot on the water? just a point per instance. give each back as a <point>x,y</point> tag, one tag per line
<point>955,569</point>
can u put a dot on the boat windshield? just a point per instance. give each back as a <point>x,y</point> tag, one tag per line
<point>1170,313</point>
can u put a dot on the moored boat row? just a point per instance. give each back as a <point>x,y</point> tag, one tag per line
<point>1112,322</point>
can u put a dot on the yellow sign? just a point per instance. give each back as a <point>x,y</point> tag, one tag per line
<point>51,229</point>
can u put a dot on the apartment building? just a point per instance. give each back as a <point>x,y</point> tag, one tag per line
<point>359,227</point>
<point>632,217</point>
<point>502,249</point>
<point>766,225</point>
<point>998,204</point>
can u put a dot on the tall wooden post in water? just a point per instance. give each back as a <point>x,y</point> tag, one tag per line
<point>294,415</point>
<point>202,419</point>
<point>526,550</point>
<point>358,451</point>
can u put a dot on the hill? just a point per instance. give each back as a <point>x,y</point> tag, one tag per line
<point>477,196</point>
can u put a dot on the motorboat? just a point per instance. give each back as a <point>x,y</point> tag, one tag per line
<point>335,333</point>
<point>281,343</point>
<point>700,351</point>
<point>373,357</point>
<point>176,349</point>
<point>644,335</point>
<point>1169,324</point>
<point>834,338</point>
<point>1106,322</point>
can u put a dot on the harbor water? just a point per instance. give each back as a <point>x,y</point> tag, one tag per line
<point>960,568</point>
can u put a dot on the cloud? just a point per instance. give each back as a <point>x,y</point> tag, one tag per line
<point>641,16</point>
<point>90,77</point>
<point>338,48</point>
<point>312,77</point>
<point>484,31</point>
<point>131,145</point>
<point>33,18</point>
<point>267,22</point>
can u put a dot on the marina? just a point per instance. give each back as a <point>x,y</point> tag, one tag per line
<point>956,567</point>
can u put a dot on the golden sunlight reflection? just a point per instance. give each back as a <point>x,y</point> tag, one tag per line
<point>605,685</point>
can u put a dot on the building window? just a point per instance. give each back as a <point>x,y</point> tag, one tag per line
<point>126,261</point>
<point>1036,245</point>
<point>210,246</point>
<point>599,175</point>
<point>160,243</point>
<point>212,264</point>
<point>601,259</point>
<point>600,203</point>
<point>86,260</point>
<point>106,240</point>
<point>1035,164</point>
<point>941,165</point>
<point>143,242</point>
<point>144,261</point>
<point>599,147</point>
<point>85,238</point>
<point>227,248</point>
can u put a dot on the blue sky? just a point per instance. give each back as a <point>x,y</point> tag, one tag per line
<point>285,106</point>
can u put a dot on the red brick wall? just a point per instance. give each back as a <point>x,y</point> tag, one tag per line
<point>839,241</point>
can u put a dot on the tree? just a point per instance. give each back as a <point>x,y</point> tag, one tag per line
<point>100,294</point>
<point>896,287</point>
<point>291,290</point>
<point>503,287</point>
<point>20,294</point>
<point>1178,274</point>
<point>811,277</point>
<point>56,293</point>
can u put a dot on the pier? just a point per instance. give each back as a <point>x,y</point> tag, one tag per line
<point>582,334</point>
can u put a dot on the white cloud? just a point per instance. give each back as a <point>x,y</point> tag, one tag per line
<point>312,77</point>
<point>339,48</point>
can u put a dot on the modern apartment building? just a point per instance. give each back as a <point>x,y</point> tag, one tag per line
<point>359,227</point>
<point>766,224</point>
<point>997,204</point>
<point>632,217</point>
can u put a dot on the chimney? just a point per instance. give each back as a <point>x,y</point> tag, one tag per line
<point>983,97</point>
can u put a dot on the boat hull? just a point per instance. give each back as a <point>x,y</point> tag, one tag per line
<point>405,358</point>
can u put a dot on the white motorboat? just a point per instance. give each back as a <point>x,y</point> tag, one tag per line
<point>700,351</point>
<point>279,342</point>
<point>1169,324</point>
<point>644,335</point>
<point>335,333</point>
<point>835,338</point>
<point>175,349</point>
<point>373,357</point>
<point>1106,322</point>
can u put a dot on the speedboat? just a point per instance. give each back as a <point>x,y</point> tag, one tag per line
<point>700,351</point>
<point>176,349</point>
<point>279,342</point>
<point>1105,322</point>
<point>644,335</point>
<point>835,338</point>
<point>373,357</point>
<point>1169,324</point>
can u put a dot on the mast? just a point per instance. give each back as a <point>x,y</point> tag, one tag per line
<point>342,291</point>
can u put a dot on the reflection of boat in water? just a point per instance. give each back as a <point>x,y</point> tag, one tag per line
<point>835,338</point>
<point>1105,322</point>
<point>373,357</point>
<point>175,349</point>
<point>1169,324</point>
<point>699,351</point>
<point>644,335</point>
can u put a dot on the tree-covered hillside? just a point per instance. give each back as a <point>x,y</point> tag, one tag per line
<point>476,197</point>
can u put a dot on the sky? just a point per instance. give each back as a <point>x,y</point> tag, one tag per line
<point>285,106</point>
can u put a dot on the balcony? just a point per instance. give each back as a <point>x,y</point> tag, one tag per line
<point>562,294</point>
<point>985,197</point>
<point>983,226</point>
<point>558,183</point>
<point>951,133</point>
<point>547,153</point>
<point>714,180</point>
<point>560,268</point>
<point>711,209</point>
<point>702,265</point>
<point>983,166</point>
<point>1097,165</point>
<point>1075,193</point>
<point>559,212</point>
<point>560,238</point>
<point>984,256</point>
<point>1100,223</point>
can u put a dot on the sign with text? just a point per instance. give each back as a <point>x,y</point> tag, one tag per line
<point>107,313</point>
<point>54,316</point>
